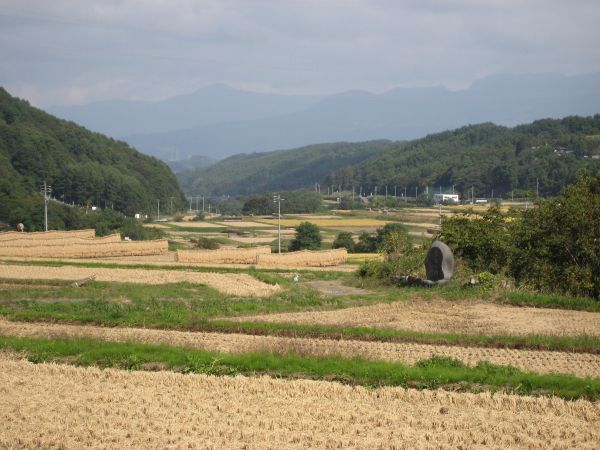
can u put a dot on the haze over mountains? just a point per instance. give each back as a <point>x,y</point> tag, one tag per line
<point>219,121</point>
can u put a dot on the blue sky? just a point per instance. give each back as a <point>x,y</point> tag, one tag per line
<point>77,51</point>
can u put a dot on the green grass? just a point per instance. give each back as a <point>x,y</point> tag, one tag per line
<point>177,305</point>
<point>541,300</point>
<point>436,372</point>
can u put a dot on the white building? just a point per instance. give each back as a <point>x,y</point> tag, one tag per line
<point>441,198</point>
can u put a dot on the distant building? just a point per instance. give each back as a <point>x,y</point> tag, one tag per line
<point>441,198</point>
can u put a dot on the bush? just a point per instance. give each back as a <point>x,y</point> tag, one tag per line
<point>308,236</point>
<point>366,243</point>
<point>483,241</point>
<point>205,243</point>
<point>556,246</point>
<point>344,240</point>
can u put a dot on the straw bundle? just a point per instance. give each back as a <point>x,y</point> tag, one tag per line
<point>96,248</point>
<point>223,255</point>
<point>305,258</point>
<point>46,235</point>
<point>57,241</point>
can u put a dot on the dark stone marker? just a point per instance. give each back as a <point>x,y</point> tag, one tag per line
<point>439,262</point>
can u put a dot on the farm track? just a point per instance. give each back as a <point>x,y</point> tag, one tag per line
<point>446,316</point>
<point>232,284</point>
<point>580,364</point>
<point>49,405</point>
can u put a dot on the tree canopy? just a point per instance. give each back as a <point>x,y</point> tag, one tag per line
<point>82,167</point>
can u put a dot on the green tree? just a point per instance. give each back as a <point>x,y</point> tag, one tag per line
<point>344,240</point>
<point>308,236</point>
<point>556,246</point>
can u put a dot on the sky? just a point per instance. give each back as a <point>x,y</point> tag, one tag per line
<point>66,52</point>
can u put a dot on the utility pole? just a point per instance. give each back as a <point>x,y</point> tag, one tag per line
<point>405,199</point>
<point>203,204</point>
<point>537,187</point>
<point>416,192</point>
<point>277,199</point>
<point>46,190</point>
<point>472,196</point>
<point>191,204</point>
<point>395,196</point>
<point>171,204</point>
<point>157,209</point>
<point>386,192</point>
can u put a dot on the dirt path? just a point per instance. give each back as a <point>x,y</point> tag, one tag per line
<point>443,316</point>
<point>580,364</point>
<point>335,287</point>
<point>232,284</point>
<point>48,406</point>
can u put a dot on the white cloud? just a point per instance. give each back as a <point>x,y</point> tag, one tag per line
<point>78,51</point>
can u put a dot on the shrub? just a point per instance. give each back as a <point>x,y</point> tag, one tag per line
<point>344,240</point>
<point>205,243</point>
<point>556,246</point>
<point>482,240</point>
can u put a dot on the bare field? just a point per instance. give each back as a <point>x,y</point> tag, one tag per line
<point>232,284</point>
<point>49,405</point>
<point>444,316</point>
<point>198,224</point>
<point>333,223</point>
<point>580,364</point>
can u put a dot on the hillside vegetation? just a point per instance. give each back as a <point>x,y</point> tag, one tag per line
<point>82,167</point>
<point>278,170</point>
<point>485,156</point>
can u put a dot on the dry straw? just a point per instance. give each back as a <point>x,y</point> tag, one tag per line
<point>124,409</point>
<point>223,256</point>
<point>305,258</point>
<point>47,235</point>
<point>239,285</point>
<point>96,248</point>
<point>580,364</point>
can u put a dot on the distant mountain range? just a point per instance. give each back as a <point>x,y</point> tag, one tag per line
<point>219,121</point>
<point>541,156</point>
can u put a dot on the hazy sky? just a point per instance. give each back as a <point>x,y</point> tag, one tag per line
<point>56,52</point>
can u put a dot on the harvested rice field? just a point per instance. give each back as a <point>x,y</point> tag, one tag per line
<point>580,364</point>
<point>333,223</point>
<point>49,405</point>
<point>445,316</point>
<point>242,285</point>
<point>198,224</point>
<point>246,224</point>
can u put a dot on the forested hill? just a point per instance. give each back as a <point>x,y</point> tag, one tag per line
<point>486,156</point>
<point>278,170</point>
<point>546,154</point>
<point>82,167</point>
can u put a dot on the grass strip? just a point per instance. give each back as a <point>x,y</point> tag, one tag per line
<point>432,373</point>
<point>580,344</point>
<point>541,300</point>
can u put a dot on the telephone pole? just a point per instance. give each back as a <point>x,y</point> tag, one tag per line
<point>277,199</point>
<point>157,209</point>
<point>46,190</point>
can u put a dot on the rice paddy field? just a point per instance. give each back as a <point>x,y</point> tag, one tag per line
<point>159,353</point>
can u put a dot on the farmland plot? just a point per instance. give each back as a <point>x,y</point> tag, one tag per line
<point>232,284</point>
<point>580,364</point>
<point>121,409</point>
<point>444,316</point>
